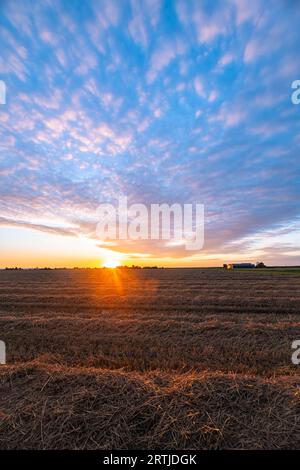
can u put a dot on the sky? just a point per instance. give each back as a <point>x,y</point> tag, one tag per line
<point>163,101</point>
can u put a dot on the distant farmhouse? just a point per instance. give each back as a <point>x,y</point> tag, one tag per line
<point>243,265</point>
<point>239,266</point>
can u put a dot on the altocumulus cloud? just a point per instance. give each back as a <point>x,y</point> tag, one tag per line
<point>162,101</point>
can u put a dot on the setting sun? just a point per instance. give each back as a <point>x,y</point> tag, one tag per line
<point>111,263</point>
<point>111,259</point>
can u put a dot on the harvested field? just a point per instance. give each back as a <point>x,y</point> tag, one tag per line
<point>165,359</point>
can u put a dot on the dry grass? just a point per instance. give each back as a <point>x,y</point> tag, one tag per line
<point>179,359</point>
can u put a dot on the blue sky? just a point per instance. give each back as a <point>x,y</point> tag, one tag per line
<point>162,101</point>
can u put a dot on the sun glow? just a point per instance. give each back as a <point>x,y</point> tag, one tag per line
<point>111,259</point>
<point>111,263</point>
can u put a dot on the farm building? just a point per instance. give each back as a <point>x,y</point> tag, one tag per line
<point>239,266</point>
